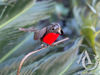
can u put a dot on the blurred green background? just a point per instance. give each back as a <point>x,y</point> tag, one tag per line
<point>80,21</point>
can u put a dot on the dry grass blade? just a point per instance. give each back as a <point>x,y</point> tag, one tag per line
<point>25,57</point>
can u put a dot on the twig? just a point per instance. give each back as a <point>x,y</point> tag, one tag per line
<point>29,54</point>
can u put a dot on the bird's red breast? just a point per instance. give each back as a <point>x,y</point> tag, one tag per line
<point>50,38</point>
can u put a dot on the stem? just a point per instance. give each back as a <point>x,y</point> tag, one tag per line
<point>29,54</point>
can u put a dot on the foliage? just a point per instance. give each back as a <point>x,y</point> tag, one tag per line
<point>80,20</point>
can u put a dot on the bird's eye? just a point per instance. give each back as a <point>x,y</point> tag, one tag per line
<point>52,28</point>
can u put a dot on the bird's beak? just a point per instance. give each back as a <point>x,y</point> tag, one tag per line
<point>59,31</point>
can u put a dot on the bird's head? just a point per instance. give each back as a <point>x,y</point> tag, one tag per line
<point>56,28</point>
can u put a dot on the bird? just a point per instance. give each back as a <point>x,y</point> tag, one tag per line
<point>48,34</point>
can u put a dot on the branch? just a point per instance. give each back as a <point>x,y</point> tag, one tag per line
<point>29,54</point>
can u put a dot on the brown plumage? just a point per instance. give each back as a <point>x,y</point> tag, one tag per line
<point>39,34</point>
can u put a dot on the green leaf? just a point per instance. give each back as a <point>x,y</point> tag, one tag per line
<point>53,63</point>
<point>11,37</point>
<point>87,23</point>
<point>44,62</point>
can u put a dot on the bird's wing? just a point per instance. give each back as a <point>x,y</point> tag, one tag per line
<point>39,34</point>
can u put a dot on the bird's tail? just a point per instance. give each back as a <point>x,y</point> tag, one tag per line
<point>31,29</point>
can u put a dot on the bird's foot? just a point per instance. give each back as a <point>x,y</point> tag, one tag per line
<point>42,45</point>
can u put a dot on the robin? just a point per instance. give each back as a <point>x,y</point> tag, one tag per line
<point>47,34</point>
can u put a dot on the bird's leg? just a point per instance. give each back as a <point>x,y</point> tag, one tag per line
<point>43,45</point>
